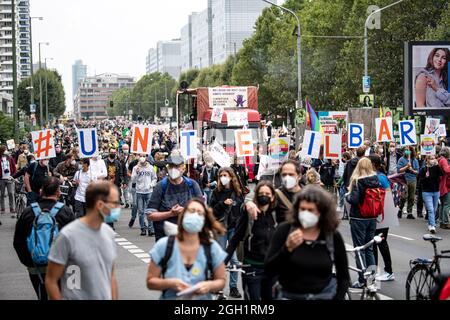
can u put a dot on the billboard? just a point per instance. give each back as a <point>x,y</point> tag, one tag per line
<point>427,74</point>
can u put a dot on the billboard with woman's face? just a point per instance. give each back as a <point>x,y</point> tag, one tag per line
<point>427,74</point>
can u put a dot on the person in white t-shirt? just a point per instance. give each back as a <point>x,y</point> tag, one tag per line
<point>98,167</point>
<point>7,170</point>
<point>82,179</point>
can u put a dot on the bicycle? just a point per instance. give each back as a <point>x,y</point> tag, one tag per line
<point>370,288</point>
<point>231,268</point>
<point>424,272</point>
<point>20,197</point>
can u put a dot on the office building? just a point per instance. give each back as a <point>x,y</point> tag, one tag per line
<point>166,58</point>
<point>94,94</point>
<point>79,72</point>
<point>152,61</point>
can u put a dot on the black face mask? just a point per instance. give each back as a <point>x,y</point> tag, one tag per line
<point>112,156</point>
<point>263,200</point>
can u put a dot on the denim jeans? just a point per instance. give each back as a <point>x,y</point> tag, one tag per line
<point>208,193</point>
<point>222,240</point>
<point>363,231</point>
<point>126,195</point>
<point>256,284</point>
<point>445,208</point>
<point>142,203</point>
<point>80,209</point>
<point>9,186</point>
<point>431,202</point>
<point>134,204</point>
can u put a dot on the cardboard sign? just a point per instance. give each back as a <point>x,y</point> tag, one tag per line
<point>188,144</point>
<point>88,141</point>
<point>10,144</point>
<point>355,135</point>
<point>263,166</point>
<point>228,97</point>
<point>390,213</point>
<point>311,144</point>
<point>332,146</point>
<point>244,143</point>
<point>407,130</point>
<point>431,125</point>
<point>384,129</point>
<point>427,144</point>
<point>237,119</point>
<point>442,131</point>
<point>141,141</point>
<point>219,155</point>
<point>43,144</point>
<point>216,115</point>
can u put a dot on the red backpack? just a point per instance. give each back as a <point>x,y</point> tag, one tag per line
<point>373,204</point>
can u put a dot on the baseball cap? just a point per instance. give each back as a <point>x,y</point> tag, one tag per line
<point>175,159</point>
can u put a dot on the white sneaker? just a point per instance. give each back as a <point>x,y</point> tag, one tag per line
<point>432,229</point>
<point>386,277</point>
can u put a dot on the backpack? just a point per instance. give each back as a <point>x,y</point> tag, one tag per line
<point>165,185</point>
<point>373,203</point>
<point>209,271</point>
<point>43,232</point>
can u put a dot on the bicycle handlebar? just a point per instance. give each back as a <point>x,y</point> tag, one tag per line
<point>376,239</point>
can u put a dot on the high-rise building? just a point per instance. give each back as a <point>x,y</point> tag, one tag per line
<point>22,12</point>
<point>186,45</point>
<point>152,61</point>
<point>233,21</point>
<point>79,72</point>
<point>201,40</point>
<point>165,58</point>
<point>94,94</point>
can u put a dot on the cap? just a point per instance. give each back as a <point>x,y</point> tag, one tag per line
<point>175,159</point>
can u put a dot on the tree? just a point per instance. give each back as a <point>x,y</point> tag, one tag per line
<point>6,128</point>
<point>56,95</point>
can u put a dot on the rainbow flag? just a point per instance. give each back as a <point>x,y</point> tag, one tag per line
<point>312,121</point>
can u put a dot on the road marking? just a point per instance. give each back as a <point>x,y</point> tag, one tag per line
<point>126,243</point>
<point>133,251</point>
<point>120,239</point>
<point>142,255</point>
<point>146,260</point>
<point>401,237</point>
<point>130,247</point>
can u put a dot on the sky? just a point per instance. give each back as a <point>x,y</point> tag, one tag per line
<point>108,35</point>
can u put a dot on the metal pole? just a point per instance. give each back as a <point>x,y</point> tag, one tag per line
<point>14,57</point>
<point>31,69</point>
<point>46,91</point>
<point>155,105</point>
<point>41,112</point>
<point>366,62</point>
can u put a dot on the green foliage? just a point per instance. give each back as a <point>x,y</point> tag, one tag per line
<point>56,95</point>
<point>6,128</point>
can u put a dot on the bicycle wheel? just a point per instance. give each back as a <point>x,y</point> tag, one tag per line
<point>347,295</point>
<point>419,283</point>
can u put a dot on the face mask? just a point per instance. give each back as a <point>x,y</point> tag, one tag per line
<point>308,219</point>
<point>112,155</point>
<point>391,150</point>
<point>114,215</point>
<point>125,151</point>
<point>6,153</point>
<point>80,166</point>
<point>142,160</point>
<point>73,162</point>
<point>45,163</point>
<point>193,222</point>
<point>209,165</point>
<point>26,152</point>
<point>32,161</point>
<point>289,182</point>
<point>225,180</point>
<point>380,150</point>
<point>174,173</point>
<point>263,200</point>
<point>433,162</point>
<point>407,153</point>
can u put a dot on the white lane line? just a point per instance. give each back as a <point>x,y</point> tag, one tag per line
<point>142,255</point>
<point>126,243</point>
<point>130,247</point>
<point>133,251</point>
<point>120,239</point>
<point>146,260</point>
<point>401,237</point>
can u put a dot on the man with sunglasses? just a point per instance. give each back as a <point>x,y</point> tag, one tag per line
<point>82,260</point>
<point>171,194</point>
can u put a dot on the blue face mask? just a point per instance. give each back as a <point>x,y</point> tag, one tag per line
<point>193,222</point>
<point>113,216</point>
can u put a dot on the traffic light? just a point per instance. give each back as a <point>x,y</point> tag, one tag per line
<point>111,104</point>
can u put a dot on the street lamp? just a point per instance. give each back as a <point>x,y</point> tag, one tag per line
<point>46,91</point>
<point>41,116</point>
<point>366,62</point>
<point>299,52</point>
<point>31,54</point>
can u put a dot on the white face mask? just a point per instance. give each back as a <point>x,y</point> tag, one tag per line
<point>391,150</point>
<point>289,182</point>
<point>225,180</point>
<point>308,219</point>
<point>174,173</point>
<point>45,162</point>
<point>142,160</point>
<point>73,162</point>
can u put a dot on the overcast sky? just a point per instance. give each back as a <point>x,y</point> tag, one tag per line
<point>108,35</point>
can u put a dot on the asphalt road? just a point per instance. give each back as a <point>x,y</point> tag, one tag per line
<point>405,243</point>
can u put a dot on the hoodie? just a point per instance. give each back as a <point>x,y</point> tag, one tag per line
<point>144,177</point>
<point>348,171</point>
<point>356,196</point>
